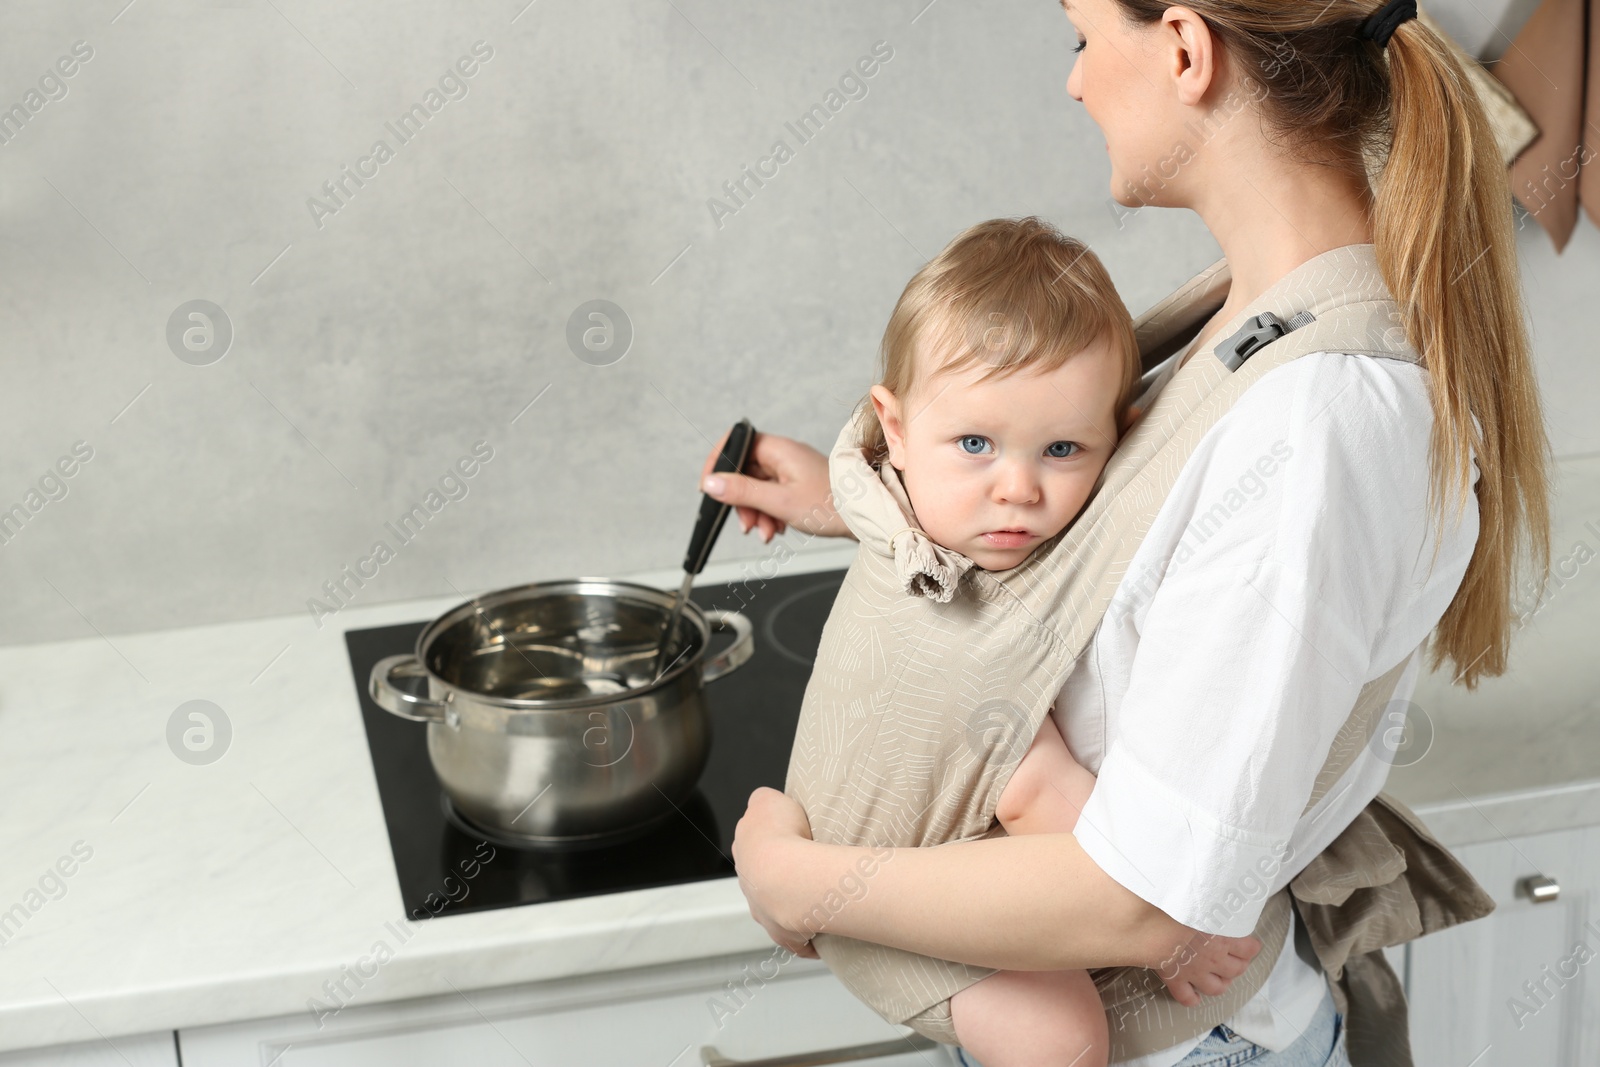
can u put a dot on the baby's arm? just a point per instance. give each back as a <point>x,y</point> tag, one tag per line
<point>1044,795</point>
<point>1048,788</point>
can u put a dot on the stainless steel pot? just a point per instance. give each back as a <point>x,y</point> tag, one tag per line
<point>546,724</point>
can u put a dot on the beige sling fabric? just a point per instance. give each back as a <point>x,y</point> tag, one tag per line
<point>1353,908</point>
<point>933,676</point>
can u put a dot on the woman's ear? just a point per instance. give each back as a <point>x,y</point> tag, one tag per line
<point>1195,53</point>
<point>887,407</point>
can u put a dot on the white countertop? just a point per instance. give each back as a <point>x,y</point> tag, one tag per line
<point>232,891</point>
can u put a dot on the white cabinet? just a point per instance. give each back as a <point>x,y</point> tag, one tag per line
<point>146,1050</point>
<point>683,1015</point>
<point>1521,987</point>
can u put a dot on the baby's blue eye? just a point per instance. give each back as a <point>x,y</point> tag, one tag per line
<point>1061,449</point>
<point>974,445</point>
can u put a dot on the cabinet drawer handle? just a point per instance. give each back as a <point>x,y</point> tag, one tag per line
<point>1539,889</point>
<point>912,1042</point>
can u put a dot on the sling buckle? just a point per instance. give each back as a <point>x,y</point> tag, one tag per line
<point>1257,333</point>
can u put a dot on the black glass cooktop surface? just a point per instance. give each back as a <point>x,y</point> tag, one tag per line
<point>445,869</point>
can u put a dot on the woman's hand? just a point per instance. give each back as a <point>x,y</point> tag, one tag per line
<point>785,484</point>
<point>772,823</point>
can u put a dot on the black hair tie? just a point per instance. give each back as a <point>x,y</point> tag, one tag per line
<point>1381,26</point>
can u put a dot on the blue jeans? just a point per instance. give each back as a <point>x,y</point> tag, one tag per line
<point>1321,1046</point>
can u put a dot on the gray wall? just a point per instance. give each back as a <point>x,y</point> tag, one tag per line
<point>374,346</point>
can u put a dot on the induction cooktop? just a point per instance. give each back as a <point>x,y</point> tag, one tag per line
<point>444,868</point>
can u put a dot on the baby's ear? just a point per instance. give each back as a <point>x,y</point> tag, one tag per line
<point>1129,419</point>
<point>887,407</point>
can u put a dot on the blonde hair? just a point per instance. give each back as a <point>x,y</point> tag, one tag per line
<point>1442,226</point>
<point>1013,293</point>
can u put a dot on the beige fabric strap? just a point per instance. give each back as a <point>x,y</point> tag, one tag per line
<point>1385,880</point>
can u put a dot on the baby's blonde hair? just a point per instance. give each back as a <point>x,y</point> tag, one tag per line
<point>1013,293</point>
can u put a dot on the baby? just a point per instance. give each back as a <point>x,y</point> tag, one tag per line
<point>1009,371</point>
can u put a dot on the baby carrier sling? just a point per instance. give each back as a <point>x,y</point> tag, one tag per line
<point>933,677</point>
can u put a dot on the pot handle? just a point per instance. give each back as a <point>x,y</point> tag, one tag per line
<point>393,688</point>
<point>735,655</point>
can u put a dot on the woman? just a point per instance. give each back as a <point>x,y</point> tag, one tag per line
<point>1399,500</point>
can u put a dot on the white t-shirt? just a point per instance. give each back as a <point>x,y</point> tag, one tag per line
<point>1292,563</point>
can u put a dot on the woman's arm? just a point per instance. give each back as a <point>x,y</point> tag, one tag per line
<point>785,484</point>
<point>1033,902</point>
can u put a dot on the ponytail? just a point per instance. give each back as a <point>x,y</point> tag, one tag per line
<point>1446,246</point>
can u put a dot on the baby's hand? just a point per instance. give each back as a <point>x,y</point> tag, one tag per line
<point>1206,965</point>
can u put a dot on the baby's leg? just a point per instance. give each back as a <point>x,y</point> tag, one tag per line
<point>1048,788</point>
<point>1049,1018</point>
<point>1032,1019</point>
